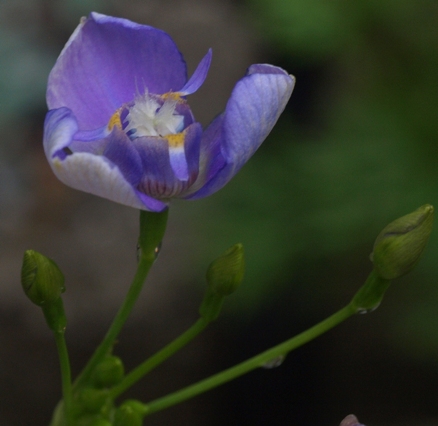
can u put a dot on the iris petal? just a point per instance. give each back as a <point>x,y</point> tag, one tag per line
<point>161,176</point>
<point>88,172</point>
<point>255,104</point>
<point>106,62</point>
<point>121,152</point>
<point>110,66</point>
<point>198,77</point>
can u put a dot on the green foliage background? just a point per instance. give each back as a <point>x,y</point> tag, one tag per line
<point>356,148</point>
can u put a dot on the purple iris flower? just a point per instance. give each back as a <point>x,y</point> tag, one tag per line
<point>119,125</point>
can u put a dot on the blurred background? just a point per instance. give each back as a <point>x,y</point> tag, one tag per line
<point>355,149</point>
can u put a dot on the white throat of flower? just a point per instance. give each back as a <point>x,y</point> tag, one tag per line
<point>148,118</point>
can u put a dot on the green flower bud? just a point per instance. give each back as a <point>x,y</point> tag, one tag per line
<point>42,280</point>
<point>399,246</point>
<point>109,372</point>
<point>90,400</point>
<point>130,413</point>
<point>225,274</point>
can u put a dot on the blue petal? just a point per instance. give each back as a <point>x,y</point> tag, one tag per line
<point>211,160</point>
<point>85,171</point>
<point>106,62</point>
<point>198,77</point>
<point>60,126</point>
<point>121,152</point>
<point>254,107</point>
<point>160,179</point>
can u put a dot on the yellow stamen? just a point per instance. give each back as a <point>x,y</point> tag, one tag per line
<point>174,96</point>
<point>115,120</point>
<point>175,140</point>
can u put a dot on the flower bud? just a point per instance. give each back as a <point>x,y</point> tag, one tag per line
<point>90,400</point>
<point>130,413</point>
<point>42,280</point>
<point>225,274</point>
<point>399,246</point>
<point>108,372</point>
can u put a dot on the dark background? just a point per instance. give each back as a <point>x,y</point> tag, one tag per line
<point>355,148</point>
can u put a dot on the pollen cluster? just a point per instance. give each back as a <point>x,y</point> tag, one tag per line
<point>148,117</point>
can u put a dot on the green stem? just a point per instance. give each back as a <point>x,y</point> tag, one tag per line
<point>135,375</point>
<point>152,228</point>
<point>252,363</point>
<point>65,375</point>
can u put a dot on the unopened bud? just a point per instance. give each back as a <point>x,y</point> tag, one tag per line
<point>42,280</point>
<point>130,413</point>
<point>90,400</point>
<point>399,246</point>
<point>108,372</point>
<point>225,274</point>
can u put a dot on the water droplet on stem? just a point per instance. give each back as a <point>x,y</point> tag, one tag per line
<point>274,362</point>
<point>157,250</point>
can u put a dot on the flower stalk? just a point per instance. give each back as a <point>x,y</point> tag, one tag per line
<point>250,364</point>
<point>155,360</point>
<point>152,229</point>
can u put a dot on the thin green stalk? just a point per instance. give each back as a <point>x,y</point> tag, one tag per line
<point>252,363</point>
<point>152,228</point>
<point>65,375</point>
<point>135,375</point>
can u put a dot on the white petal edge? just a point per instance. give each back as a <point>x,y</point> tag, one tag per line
<point>89,173</point>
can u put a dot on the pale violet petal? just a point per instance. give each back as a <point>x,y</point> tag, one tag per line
<point>93,174</point>
<point>86,171</point>
<point>254,107</point>
<point>178,162</point>
<point>198,77</point>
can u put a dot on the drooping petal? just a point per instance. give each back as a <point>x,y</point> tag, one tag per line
<point>252,111</point>
<point>211,160</point>
<point>255,104</point>
<point>184,152</point>
<point>60,126</point>
<point>88,172</point>
<point>106,62</point>
<point>122,153</point>
<point>161,172</point>
<point>198,77</point>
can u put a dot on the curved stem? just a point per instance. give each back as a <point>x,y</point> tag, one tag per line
<point>252,363</point>
<point>152,228</point>
<point>65,375</point>
<point>156,359</point>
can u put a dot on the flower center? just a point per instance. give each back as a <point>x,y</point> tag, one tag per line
<point>150,117</point>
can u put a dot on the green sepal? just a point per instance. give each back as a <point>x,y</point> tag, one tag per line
<point>399,246</point>
<point>108,372</point>
<point>41,278</point>
<point>152,229</point>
